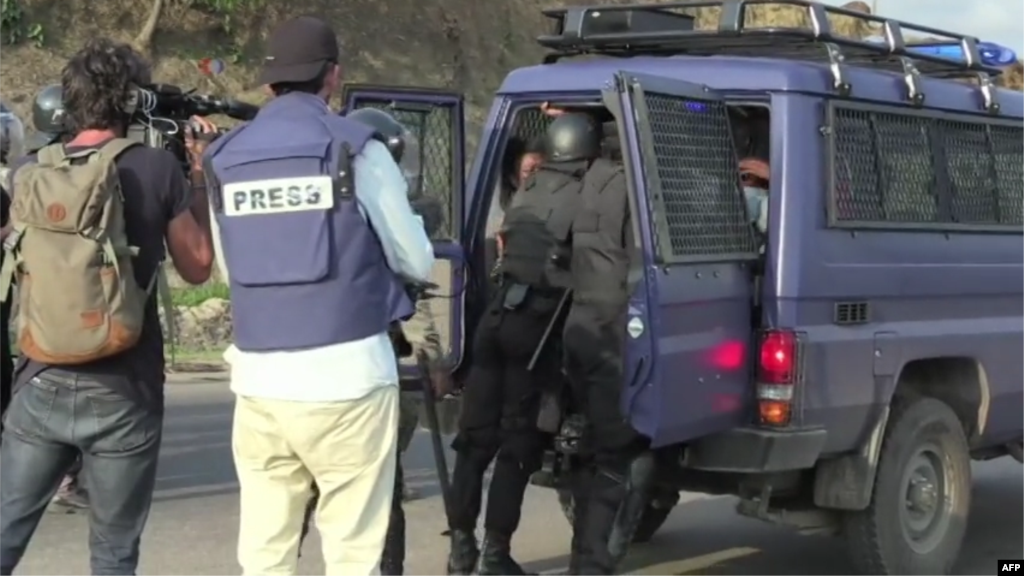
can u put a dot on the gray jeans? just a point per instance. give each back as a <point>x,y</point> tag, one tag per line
<point>54,418</point>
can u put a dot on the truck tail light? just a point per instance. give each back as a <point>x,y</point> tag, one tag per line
<point>776,376</point>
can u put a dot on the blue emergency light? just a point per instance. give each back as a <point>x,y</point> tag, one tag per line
<point>992,54</point>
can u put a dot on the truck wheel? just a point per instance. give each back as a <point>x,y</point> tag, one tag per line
<point>916,520</point>
<point>650,521</point>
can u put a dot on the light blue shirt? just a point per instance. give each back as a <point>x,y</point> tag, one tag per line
<point>382,193</point>
<point>351,370</point>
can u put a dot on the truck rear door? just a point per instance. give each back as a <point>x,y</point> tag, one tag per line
<point>695,292</point>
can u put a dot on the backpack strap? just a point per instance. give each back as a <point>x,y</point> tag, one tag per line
<point>6,277</point>
<point>114,148</point>
<point>56,154</point>
<point>51,155</point>
<point>163,290</point>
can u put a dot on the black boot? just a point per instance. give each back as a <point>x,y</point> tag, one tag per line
<point>613,496</point>
<point>392,560</point>
<point>495,557</point>
<point>581,497</point>
<point>464,553</point>
<point>639,483</point>
<point>309,515</point>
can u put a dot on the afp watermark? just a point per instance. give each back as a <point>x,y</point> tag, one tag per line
<point>1010,567</point>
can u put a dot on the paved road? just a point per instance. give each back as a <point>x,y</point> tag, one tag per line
<point>194,522</point>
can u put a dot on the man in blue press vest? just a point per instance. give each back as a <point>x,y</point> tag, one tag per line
<point>317,236</point>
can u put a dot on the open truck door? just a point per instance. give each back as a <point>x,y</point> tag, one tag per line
<point>437,120</point>
<point>690,331</point>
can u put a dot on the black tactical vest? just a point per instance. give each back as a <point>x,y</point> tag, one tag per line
<point>538,225</point>
<point>602,237</point>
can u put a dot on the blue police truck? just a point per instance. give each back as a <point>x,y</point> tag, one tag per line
<point>841,371</point>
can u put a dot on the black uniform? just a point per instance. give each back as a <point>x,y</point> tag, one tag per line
<point>7,368</point>
<point>502,395</point>
<point>610,489</point>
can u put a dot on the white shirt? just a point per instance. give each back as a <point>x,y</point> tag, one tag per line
<point>354,369</point>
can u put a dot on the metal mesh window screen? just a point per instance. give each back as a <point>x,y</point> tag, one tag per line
<point>698,204</point>
<point>432,127</point>
<point>883,170</point>
<point>530,124</point>
<point>892,168</point>
<point>857,178</point>
<point>908,173</point>
<point>1008,157</point>
<point>974,194</point>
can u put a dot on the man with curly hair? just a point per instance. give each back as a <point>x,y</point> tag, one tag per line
<point>109,410</point>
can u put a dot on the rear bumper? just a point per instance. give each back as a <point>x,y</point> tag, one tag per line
<point>754,450</point>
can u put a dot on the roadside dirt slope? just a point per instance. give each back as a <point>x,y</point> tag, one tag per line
<point>465,45</point>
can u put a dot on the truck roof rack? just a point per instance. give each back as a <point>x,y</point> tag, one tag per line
<point>666,29</point>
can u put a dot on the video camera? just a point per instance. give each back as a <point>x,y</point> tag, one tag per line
<point>163,111</point>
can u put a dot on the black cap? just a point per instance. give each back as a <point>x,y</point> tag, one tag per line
<point>298,50</point>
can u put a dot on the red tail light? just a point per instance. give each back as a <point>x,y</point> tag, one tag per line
<point>776,376</point>
<point>777,357</point>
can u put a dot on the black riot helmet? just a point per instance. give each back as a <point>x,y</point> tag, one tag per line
<point>47,116</point>
<point>48,110</point>
<point>389,131</point>
<point>402,144</point>
<point>573,136</point>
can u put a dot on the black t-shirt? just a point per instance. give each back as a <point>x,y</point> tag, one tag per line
<point>155,192</point>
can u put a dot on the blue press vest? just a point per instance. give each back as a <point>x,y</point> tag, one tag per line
<point>303,273</point>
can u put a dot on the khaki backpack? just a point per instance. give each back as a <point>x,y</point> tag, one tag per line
<point>68,253</point>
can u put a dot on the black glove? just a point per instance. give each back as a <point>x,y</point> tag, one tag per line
<point>418,290</point>
<point>403,349</point>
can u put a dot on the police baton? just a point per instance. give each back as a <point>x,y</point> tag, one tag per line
<point>430,401</point>
<point>562,304</point>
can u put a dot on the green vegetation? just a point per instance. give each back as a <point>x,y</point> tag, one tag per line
<point>178,357</point>
<point>193,296</point>
<point>225,11</point>
<point>14,28</point>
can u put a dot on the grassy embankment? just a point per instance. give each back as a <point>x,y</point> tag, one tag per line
<point>190,297</point>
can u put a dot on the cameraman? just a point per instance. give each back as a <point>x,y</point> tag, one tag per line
<point>111,410</point>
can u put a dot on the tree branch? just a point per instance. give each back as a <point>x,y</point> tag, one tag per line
<point>143,42</point>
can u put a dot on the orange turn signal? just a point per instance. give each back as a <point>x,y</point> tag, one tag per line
<point>774,412</point>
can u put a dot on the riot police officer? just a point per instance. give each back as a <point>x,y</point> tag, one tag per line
<point>318,236</point>
<point>502,394</point>
<point>12,146</point>
<point>12,136</point>
<point>610,488</point>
